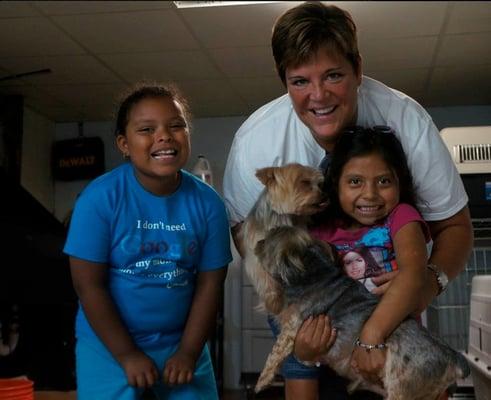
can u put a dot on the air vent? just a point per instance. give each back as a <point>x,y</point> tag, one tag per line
<point>470,148</point>
<point>472,153</point>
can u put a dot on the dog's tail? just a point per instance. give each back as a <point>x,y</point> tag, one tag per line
<point>463,369</point>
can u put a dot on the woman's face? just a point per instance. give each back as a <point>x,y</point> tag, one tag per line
<point>324,95</point>
<point>354,265</point>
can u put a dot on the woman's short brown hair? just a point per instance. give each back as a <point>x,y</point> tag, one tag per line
<point>301,31</point>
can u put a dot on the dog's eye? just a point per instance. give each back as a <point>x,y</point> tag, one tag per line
<point>306,183</point>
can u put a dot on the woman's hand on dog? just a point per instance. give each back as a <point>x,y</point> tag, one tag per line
<point>140,369</point>
<point>314,338</point>
<point>179,369</point>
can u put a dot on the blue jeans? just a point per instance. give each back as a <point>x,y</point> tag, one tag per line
<point>331,385</point>
<point>291,368</point>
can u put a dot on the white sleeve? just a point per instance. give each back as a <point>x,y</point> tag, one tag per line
<point>241,188</point>
<point>439,188</point>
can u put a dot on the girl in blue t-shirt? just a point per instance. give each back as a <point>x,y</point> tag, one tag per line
<point>148,245</point>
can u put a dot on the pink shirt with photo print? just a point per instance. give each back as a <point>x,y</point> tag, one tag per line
<point>369,251</point>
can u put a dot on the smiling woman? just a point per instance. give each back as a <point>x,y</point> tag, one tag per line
<point>323,93</point>
<point>315,49</point>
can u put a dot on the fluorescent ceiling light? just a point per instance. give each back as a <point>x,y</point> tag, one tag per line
<point>196,4</point>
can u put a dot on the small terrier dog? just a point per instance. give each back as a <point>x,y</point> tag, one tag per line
<point>418,366</point>
<point>292,193</point>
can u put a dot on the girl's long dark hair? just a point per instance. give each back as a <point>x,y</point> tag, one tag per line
<point>358,142</point>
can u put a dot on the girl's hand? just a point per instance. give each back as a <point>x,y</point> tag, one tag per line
<point>314,338</point>
<point>383,282</point>
<point>369,363</point>
<point>140,369</point>
<point>179,369</point>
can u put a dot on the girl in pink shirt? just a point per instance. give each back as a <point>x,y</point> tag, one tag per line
<point>373,222</point>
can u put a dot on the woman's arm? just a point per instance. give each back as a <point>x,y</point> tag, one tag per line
<point>453,239</point>
<point>401,299</point>
<point>90,283</point>
<point>202,316</point>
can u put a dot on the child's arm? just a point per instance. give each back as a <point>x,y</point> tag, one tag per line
<point>180,367</point>
<point>90,283</point>
<point>451,259</point>
<point>400,300</point>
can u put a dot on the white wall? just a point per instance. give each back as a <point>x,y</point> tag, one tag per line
<point>212,137</point>
<point>445,117</point>
<point>37,138</point>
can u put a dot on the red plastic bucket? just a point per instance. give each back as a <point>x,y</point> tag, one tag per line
<point>16,389</point>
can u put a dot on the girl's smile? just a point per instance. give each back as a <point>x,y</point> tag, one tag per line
<point>368,189</point>
<point>157,141</point>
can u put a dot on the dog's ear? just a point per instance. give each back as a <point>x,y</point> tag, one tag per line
<point>273,300</point>
<point>322,259</point>
<point>266,175</point>
<point>259,248</point>
<point>329,249</point>
<point>292,266</point>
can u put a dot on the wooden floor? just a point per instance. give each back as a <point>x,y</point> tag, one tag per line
<point>45,395</point>
<point>228,395</point>
<point>275,392</point>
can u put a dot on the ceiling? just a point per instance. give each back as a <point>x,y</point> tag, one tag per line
<point>436,51</point>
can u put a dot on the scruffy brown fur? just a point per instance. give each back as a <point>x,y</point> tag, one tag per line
<point>292,193</point>
<point>418,365</point>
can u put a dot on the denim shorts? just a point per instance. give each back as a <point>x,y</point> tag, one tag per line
<point>291,368</point>
<point>331,385</point>
<point>100,377</point>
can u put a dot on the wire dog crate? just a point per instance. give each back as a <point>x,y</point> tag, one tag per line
<point>448,315</point>
<point>470,149</point>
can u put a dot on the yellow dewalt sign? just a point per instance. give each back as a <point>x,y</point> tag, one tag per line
<point>76,161</point>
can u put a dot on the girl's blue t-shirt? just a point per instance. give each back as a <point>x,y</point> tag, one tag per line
<point>154,247</point>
